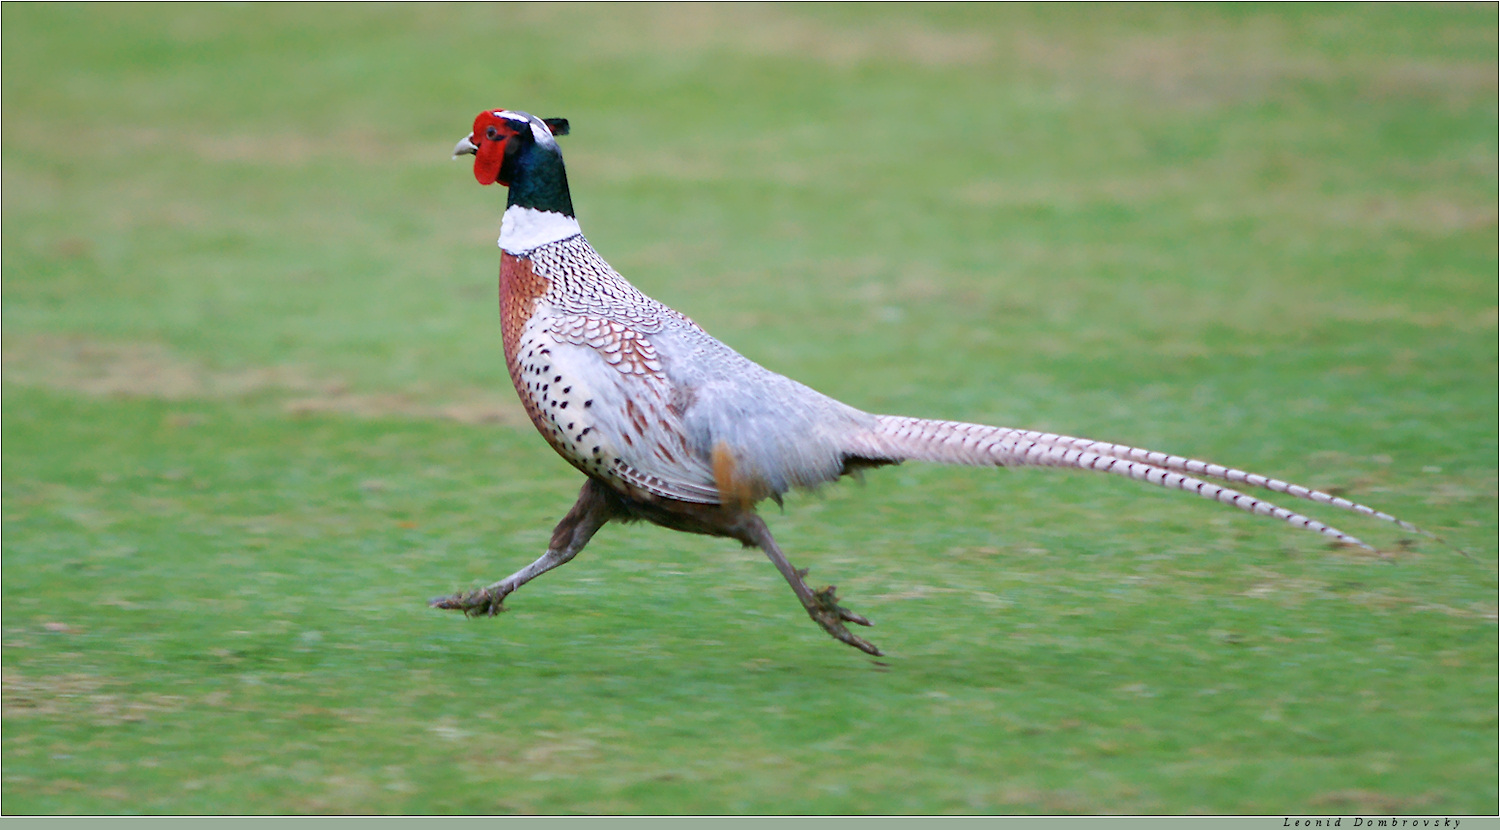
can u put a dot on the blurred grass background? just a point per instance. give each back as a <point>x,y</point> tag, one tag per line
<point>255,411</point>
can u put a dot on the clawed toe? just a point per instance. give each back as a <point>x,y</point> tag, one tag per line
<point>832,617</point>
<point>482,602</point>
<point>829,602</point>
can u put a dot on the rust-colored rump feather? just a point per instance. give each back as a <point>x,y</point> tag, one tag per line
<point>734,490</point>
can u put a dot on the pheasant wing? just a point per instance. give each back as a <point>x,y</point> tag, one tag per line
<point>603,401</point>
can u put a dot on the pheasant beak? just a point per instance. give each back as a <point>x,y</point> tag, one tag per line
<point>465,147</point>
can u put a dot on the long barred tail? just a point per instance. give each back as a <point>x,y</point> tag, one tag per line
<point>899,438</point>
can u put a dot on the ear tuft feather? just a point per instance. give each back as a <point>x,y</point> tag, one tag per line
<point>558,126</point>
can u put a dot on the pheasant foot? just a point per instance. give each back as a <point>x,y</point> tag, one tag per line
<point>594,507</point>
<point>829,602</point>
<point>481,602</point>
<point>822,606</point>
<point>827,612</point>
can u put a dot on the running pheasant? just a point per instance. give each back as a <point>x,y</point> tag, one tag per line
<point>674,427</point>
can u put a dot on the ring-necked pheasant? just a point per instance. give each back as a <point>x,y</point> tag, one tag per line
<point>676,428</point>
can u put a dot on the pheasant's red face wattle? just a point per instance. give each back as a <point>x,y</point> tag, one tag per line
<point>499,139</point>
<point>491,133</point>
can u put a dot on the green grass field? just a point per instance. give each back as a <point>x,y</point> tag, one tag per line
<point>256,414</point>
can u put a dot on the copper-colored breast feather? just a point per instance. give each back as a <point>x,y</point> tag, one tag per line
<point>520,288</point>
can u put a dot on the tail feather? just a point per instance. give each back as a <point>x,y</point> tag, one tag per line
<point>1208,469</point>
<point>899,438</point>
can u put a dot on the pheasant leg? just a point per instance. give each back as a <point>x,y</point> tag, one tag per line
<point>592,510</point>
<point>821,605</point>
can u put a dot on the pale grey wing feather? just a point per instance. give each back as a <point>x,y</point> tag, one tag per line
<point>632,430</point>
<point>778,433</point>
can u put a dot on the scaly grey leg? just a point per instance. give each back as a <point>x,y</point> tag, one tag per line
<point>822,605</point>
<point>594,508</point>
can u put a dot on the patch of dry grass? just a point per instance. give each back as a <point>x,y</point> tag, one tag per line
<point>146,370</point>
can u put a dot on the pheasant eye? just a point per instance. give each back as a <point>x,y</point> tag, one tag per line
<point>491,133</point>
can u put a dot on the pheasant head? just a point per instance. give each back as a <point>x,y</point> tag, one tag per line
<point>517,150</point>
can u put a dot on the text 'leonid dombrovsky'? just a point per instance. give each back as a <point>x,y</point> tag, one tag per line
<point>1361,821</point>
